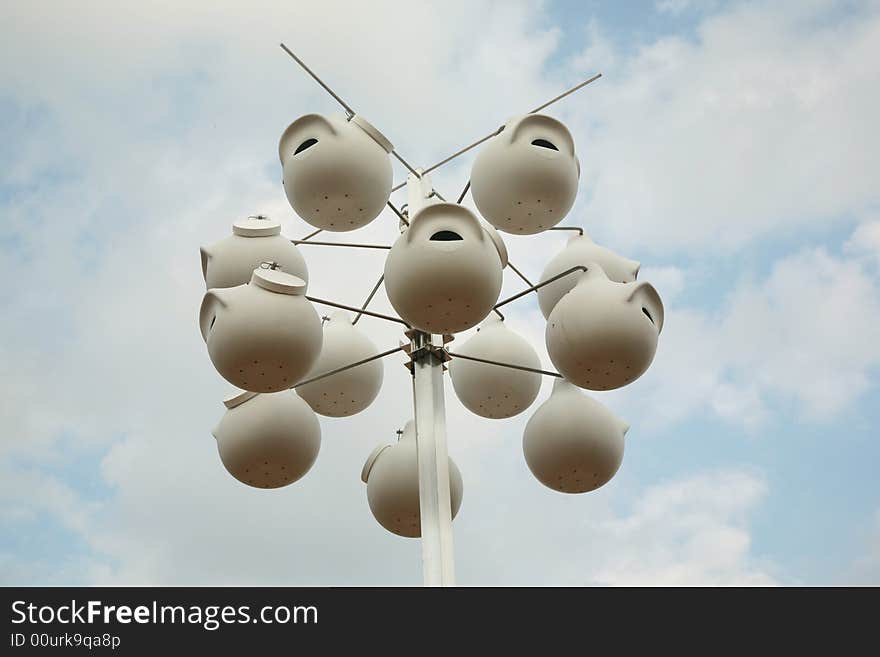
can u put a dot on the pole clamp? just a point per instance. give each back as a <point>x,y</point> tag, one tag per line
<point>423,346</point>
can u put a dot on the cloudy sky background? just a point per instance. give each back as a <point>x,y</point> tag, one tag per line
<point>731,148</point>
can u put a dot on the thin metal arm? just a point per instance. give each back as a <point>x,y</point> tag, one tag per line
<point>324,302</point>
<point>348,367</point>
<point>311,235</point>
<point>489,136</point>
<point>348,244</point>
<point>566,93</point>
<point>369,298</point>
<point>463,192</point>
<point>510,365</point>
<point>577,228</point>
<point>452,157</point>
<point>463,150</point>
<point>398,213</point>
<point>406,164</point>
<point>318,80</point>
<point>519,273</point>
<point>540,285</point>
<point>339,100</point>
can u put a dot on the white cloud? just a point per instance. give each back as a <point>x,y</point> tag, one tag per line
<point>865,571</point>
<point>809,331</point>
<point>672,6</point>
<point>681,6</point>
<point>865,241</point>
<point>189,523</point>
<point>685,533</point>
<point>670,281</point>
<point>760,127</point>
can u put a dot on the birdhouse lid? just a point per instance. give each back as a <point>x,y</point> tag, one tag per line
<point>278,281</point>
<point>371,130</point>
<point>256,226</point>
<point>497,241</point>
<point>239,397</point>
<point>371,460</point>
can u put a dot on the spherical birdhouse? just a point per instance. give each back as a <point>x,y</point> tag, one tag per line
<point>263,336</point>
<point>268,440</point>
<point>254,240</point>
<point>493,391</point>
<point>392,477</point>
<point>524,180</point>
<point>603,335</point>
<point>337,173</point>
<point>572,443</point>
<point>350,391</point>
<point>443,274</point>
<point>581,250</point>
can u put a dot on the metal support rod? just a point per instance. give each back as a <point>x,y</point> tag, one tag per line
<point>369,298</point>
<point>435,506</point>
<point>348,367</point>
<point>519,273</point>
<point>348,244</point>
<point>566,93</point>
<point>464,192</point>
<point>463,150</point>
<point>489,136</point>
<point>339,100</point>
<point>577,228</point>
<point>406,164</point>
<point>453,156</point>
<point>398,213</point>
<point>324,302</point>
<point>510,365</point>
<point>540,285</point>
<point>311,235</point>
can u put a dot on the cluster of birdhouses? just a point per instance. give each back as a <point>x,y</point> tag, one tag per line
<point>443,275</point>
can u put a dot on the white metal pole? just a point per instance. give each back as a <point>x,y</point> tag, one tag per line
<point>430,416</point>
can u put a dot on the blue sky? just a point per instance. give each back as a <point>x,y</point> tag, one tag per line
<point>729,147</point>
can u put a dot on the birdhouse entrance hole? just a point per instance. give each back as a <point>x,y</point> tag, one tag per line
<point>445,236</point>
<point>543,143</point>
<point>308,143</point>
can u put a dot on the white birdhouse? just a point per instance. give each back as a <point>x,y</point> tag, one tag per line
<point>392,477</point>
<point>254,240</point>
<point>350,391</point>
<point>603,335</point>
<point>443,274</point>
<point>572,443</point>
<point>525,179</point>
<point>337,173</point>
<point>264,336</point>
<point>268,440</point>
<point>493,391</point>
<point>581,250</point>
